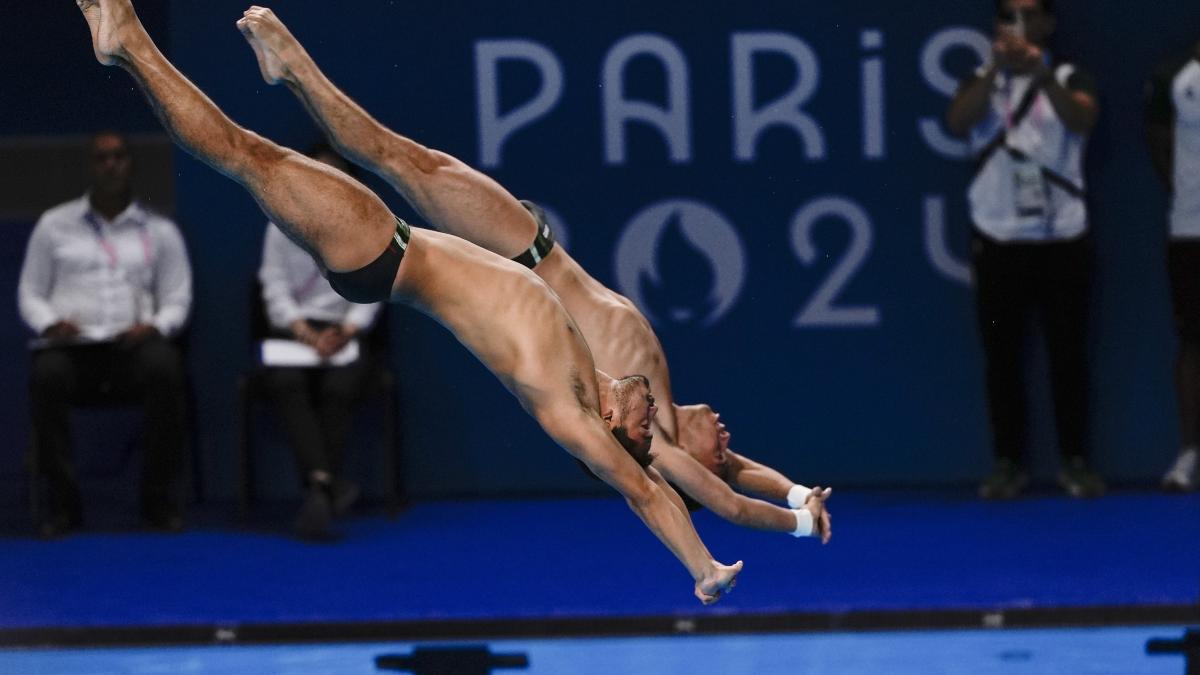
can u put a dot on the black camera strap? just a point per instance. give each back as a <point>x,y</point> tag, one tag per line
<point>1000,140</point>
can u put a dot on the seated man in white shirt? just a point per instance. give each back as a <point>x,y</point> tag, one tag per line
<point>314,403</point>
<point>105,283</point>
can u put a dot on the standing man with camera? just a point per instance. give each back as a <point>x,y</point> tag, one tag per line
<point>1027,118</point>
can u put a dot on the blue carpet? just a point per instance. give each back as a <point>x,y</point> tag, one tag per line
<point>592,558</point>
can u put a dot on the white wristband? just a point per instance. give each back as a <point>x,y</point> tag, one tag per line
<point>804,523</point>
<point>797,495</point>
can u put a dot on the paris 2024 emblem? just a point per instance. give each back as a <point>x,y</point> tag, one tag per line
<point>681,261</point>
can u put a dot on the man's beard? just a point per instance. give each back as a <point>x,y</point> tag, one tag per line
<point>640,452</point>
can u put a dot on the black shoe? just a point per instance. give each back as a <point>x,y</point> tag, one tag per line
<point>1079,480</point>
<point>60,524</point>
<point>316,515</point>
<point>1006,481</point>
<point>343,493</point>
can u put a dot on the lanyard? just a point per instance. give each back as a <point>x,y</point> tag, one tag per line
<point>308,284</point>
<point>1013,115</point>
<point>111,251</point>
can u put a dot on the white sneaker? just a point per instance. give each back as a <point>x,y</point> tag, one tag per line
<point>1182,476</point>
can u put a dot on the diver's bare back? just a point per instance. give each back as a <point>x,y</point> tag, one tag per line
<point>622,341</point>
<point>505,314</point>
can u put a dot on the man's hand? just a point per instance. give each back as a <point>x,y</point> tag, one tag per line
<point>137,334</point>
<point>815,503</point>
<point>61,331</point>
<point>303,331</point>
<point>1016,54</point>
<point>331,341</point>
<point>327,341</point>
<point>1002,51</point>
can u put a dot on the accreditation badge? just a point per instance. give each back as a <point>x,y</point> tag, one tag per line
<point>1029,189</point>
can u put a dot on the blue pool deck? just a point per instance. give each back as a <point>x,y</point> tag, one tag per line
<point>588,567</point>
<point>1095,651</point>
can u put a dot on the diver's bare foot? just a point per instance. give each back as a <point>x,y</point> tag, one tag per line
<point>720,580</point>
<point>105,18</point>
<point>270,40</point>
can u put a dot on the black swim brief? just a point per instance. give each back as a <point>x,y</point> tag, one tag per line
<point>542,243</point>
<point>373,283</point>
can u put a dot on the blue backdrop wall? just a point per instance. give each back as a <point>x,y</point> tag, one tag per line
<point>770,182</point>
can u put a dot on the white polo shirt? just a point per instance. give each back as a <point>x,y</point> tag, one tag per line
<point>1046,141</point>
<point>105,276</point>
<point>1173,98</point>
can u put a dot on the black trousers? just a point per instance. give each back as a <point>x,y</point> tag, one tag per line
<point>316,408</point>
<point>151,372</point>
<point>1018,286</point>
